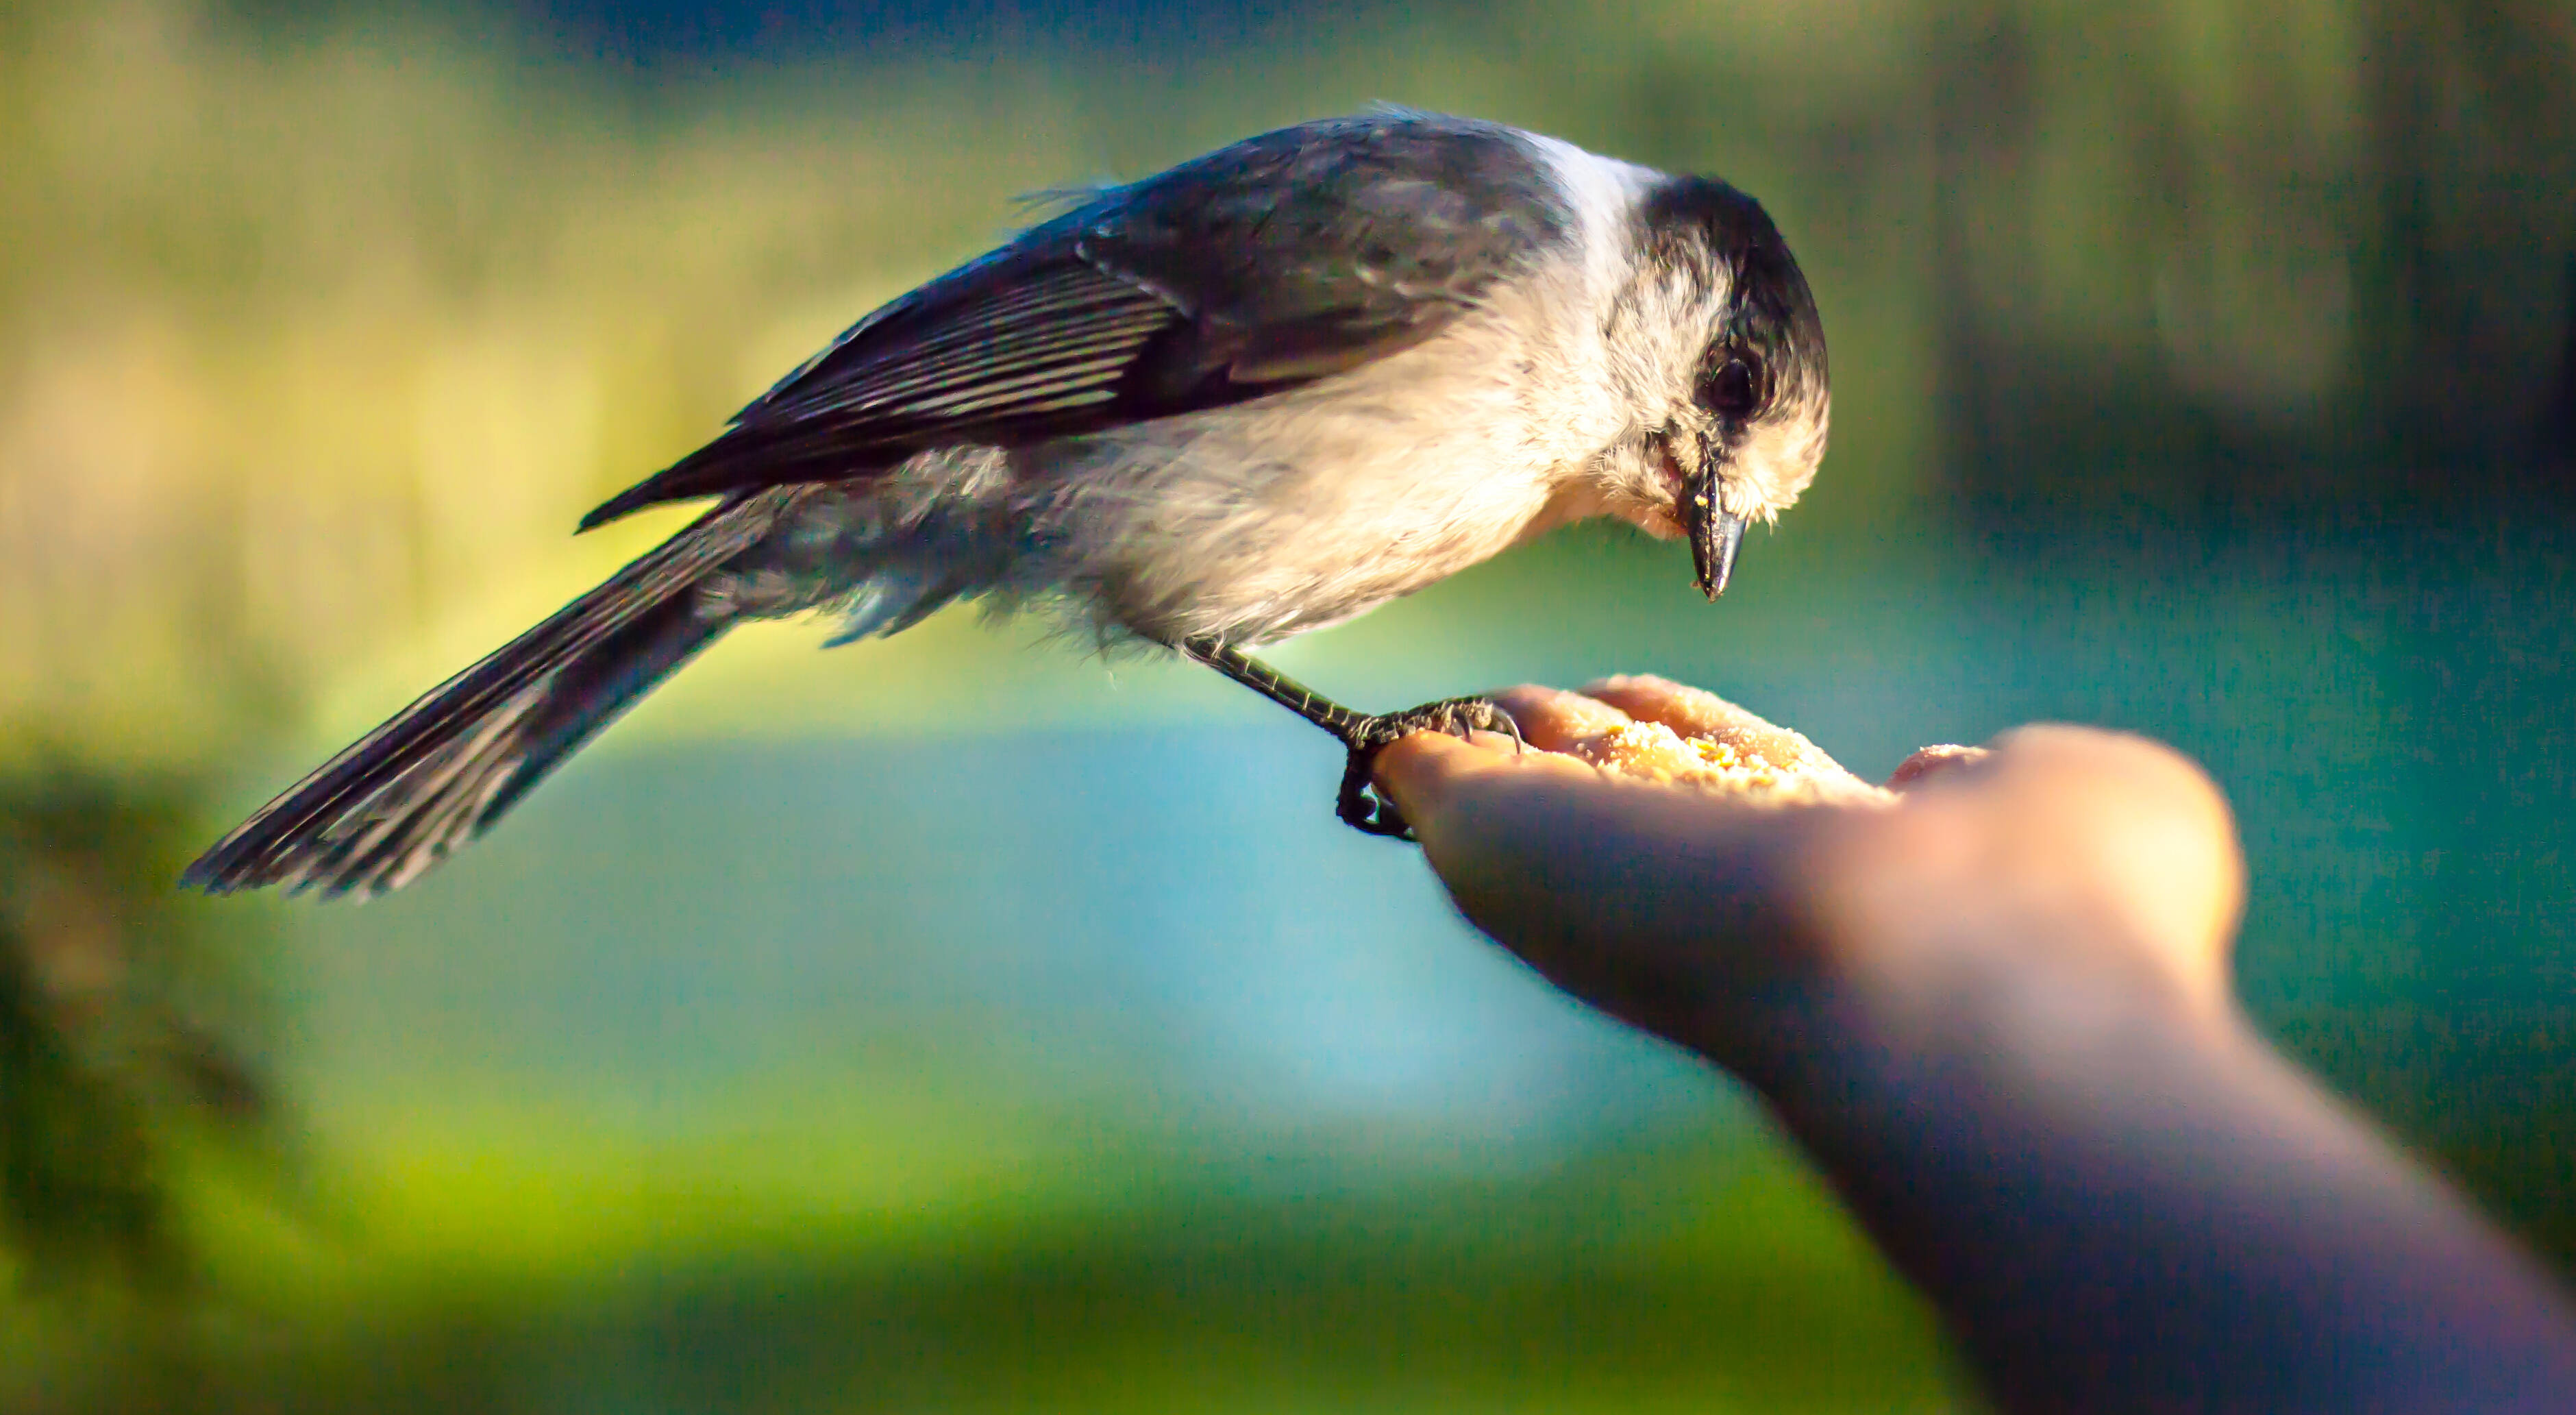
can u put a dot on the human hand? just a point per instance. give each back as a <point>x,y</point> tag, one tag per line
<point>1991,1003</point>
<point>1705,875</point>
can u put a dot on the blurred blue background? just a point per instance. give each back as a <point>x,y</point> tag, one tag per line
<point>964,1022</point>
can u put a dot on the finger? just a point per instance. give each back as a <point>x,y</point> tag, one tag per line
<point>1685,709</point>
<point>1424,772</point>
<point>1553,720</point>
<point>1701,715</point>
<point>1929,762</point>
<point>1587,728</point>
<point>1659,906</point>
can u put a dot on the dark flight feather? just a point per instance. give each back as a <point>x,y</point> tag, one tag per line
<point>407,794</point>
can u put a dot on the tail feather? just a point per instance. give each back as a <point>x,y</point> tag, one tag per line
<point>406,795</point>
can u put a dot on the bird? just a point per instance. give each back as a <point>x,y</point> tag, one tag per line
<point>1256,394</point>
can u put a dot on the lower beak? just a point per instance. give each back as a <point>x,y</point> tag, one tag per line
<point>1714,536</point>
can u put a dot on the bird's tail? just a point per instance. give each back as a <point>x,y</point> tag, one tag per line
<point>401,798</point>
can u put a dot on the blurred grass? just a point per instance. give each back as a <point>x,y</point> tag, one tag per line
<point>747,1275</point>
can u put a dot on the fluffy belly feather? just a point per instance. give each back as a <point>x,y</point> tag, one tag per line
<point>1270,519</point>
<point>1248,524</point>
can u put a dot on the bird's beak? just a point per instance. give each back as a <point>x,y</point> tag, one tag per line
<point>1714,535</point>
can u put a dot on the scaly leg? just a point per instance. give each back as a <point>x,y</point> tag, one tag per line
<point>1364,735</point>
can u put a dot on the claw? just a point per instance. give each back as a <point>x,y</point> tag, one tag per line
<point>1359,805</point>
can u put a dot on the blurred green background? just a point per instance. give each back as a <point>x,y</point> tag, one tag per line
<point>959,1022</point>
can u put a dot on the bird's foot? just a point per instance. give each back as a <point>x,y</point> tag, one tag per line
<point>1360,806</point>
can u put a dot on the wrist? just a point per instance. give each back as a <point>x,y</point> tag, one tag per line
<point>2110,1188</point>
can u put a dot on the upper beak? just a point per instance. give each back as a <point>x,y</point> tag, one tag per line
<point>1714,535</point>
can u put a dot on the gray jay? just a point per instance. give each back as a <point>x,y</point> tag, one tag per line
<point>1259,393</point>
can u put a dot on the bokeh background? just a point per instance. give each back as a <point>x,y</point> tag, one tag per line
<point>960,1022</point>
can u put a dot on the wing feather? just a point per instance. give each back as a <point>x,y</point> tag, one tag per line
<point>1282,259</point>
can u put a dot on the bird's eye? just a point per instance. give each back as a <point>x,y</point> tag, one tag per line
<point>1730,391</point>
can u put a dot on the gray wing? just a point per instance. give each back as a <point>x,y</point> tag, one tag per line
<point>1282,259</point>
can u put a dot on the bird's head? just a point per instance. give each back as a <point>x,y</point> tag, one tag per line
<point>1745,397</point>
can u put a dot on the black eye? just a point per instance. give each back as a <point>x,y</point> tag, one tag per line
<point>1731,390</point>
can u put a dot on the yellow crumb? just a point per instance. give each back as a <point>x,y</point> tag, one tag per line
<point>1650,751</point>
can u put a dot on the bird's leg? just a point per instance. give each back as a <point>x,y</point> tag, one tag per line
<point>1364,735</point>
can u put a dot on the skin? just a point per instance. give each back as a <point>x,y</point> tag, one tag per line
<point>1993,1003</point>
